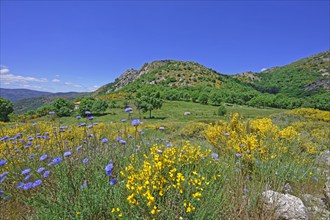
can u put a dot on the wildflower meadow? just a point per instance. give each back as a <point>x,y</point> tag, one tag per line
<point>133,169</point>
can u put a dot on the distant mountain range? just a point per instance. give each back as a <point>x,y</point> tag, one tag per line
<point>305,82</point>
<point>25,99</point>
<point>18,94</point>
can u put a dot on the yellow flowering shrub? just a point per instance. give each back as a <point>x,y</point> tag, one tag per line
<point>255,137</point>
<point>168,177</point>
<point>310,113</point>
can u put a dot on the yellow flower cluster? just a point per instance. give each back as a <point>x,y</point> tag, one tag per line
<point>255,137</point>
<point>167,176</point>
<point>310,113</point>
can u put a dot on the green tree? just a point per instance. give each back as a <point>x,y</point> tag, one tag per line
<point>222,110</point>
<point>215,98</point>
<point>99,106</point>
<point>148,102</point>
<point>86,104</point>
<point>6,107</point>
<point>203,98</point>
<point>62,107</point>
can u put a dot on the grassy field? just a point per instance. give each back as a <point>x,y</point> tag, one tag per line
<point>168,167</point>
<point>173,111</point>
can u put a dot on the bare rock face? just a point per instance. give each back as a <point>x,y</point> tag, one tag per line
<point>285,206</point>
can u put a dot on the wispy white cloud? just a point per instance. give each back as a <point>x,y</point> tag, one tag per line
<point>72,84</point>
<point>56,80</point>
<point>3,70</point>
<point>93,88</point>
<point>9,78</point>
<point>263,69</point>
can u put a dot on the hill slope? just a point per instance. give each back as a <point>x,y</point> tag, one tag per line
<point>18,94</point>
<point>25,105</point>
<point>303,78</point>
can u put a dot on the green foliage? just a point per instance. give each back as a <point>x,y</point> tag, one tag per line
<point>62,107</point>
<point>203,98</point>
<point>222,110</point>
<point>6,107</point>
<point>148,101</point>
<point>99,106</point>
<point>86,104</point>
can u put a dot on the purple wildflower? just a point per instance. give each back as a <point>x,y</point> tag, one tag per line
<point>3,179</point>
<point>78,117</point>
<point>238,155</point>
<point>51,113</point>
<point>118,138</point>
<point>46,174</point>
<point>104,140</point>
<point>40,169</point>
<point>89,126</point>
<point>159,152</point>
<point>316,179</point>
<point>19,185</point>
<point>113,181</point>
<point>43,157</point>
<point>36,183</point>
<point>87,113</point>
<point>136,122</point>
<point>27,186</point>
<point>85,160</point>
<point>4,174</point>
<point>31,156</point>
<point>83,185</point>
<point>55,161</point>
<point>90,117</point>
<point>26,171</point>
<point>27,177</point>
<point>215,156</point>
<point>2,162</point>
<point>122,142</point>
<point>1,192</point>
<point>79,147</point>
<point>108,169</point>
<point>161,128</point>
<point>67,154</point>
<point>128,109</point>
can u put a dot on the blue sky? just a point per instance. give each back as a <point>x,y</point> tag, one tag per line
<point>61,46</point>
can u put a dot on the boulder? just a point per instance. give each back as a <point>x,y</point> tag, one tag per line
<point>285,206</point>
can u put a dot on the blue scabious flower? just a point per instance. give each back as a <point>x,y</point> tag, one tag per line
<point>67,154</point>
<point>1,192</point>
<point>46,174</point>
<point>104,140</point>
<point>26,171</point>
<point>118,138</point>
<point>43,157</point>
<point>90,118</point>
<point>89,126</point>
<point>27,177</point>
<point>79,147</point>
<point>27,186</point>
<point>87,113</point>
<point>83,185</point>
<point>55,161</point>
<point>31,156</point>
<point>36,183</point>
<point>113,181</point>
<point>238,155</point>
<point>108,169</point>
<point>82,124</point>
<point>3,179</point>
<point>215,156</point>
<point>85,160</point>
<point>40,169</point>
<point>122,142</point>
<point>128,109</point>
<point>4,174</point>
<point>78,117</point>
<point>51,113</point>
<point>161,128</point>
<point>136,122</point>
<point>19,185</point>
<point>2,162</point>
